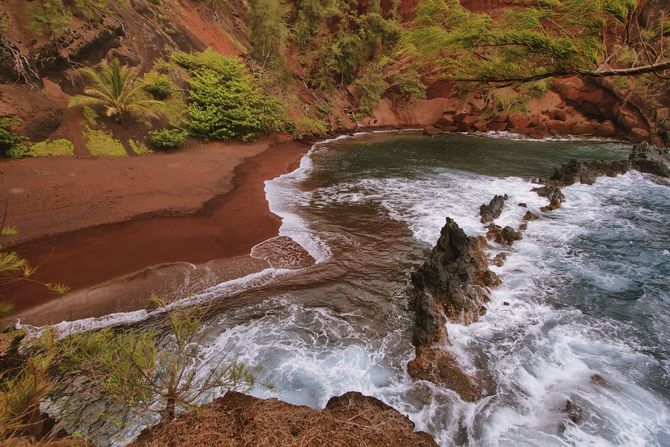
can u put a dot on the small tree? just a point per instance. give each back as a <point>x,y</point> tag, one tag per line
<point>133,371</point>
<point>117,88</point>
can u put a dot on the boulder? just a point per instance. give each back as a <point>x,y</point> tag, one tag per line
<point>499,259</point>
<point>650,159</point>
<point>497,126</point>
<point>587,172</point>
<point>553,193</point>
<point>431,131</point>
<point>504,236</point>
<point>529,216</point>
<point>493,210</point>
<point>606,129</point>
<point>442,368</point>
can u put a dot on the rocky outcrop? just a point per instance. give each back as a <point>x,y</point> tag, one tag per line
<point>503,236</point>
<point>493,210</point>
<point>441,367</point>
<point>650,159</point>
<point>240,420</point>
<point>644,157</point>
<point>453,283</point>
<point>587,172</point>
<point>553,193</point>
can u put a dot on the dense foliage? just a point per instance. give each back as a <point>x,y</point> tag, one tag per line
<point>340,39</point>
<point>532,41</point>
<point>9,140</point>
<point>224,100</point>
<point>53,17</point>
<point>269,32</point>
<point>167,139</point>
<point>117,89</point>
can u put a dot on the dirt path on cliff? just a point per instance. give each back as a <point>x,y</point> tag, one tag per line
<point>84,222</point>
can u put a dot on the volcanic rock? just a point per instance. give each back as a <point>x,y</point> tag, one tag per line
<point>587,172</point>
<point>530,216</point>
<point>493,210</point>
<point>650,159</point>
<point>442,368</point>
<point>553,193</point>
<point>451,283</point>
<point>503,236</point>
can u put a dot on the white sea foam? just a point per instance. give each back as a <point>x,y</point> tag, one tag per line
<point>284,199</point>
<point>539,355</point>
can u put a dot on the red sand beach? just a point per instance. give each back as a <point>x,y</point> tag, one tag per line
<point>86,222</point>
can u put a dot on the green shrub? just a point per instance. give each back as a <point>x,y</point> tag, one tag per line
<point>102,144</point>
<point>158,85</point>
<point>307,125</point>
<point>225,102</point>
<point>167,139</point>
<point>48,148</point>
<point>369,89</point>
<point>139,147</point>
<point>409,84</point>
<point>9,140</point>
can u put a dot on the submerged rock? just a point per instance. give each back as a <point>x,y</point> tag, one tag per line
<point>503,236</point>
<point>530,216</point>
<point>650,159</point>
<point>441,367</point>
<point>493,210</point>
<point>553,193</point>
<point>643,157</point>
<point>587,172</point>
<point>238,420</point>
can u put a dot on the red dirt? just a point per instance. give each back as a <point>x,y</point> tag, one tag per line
<point>113,190</point>
<point>237,420</point>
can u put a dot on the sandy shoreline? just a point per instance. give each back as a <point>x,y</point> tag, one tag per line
<point>114,219</point>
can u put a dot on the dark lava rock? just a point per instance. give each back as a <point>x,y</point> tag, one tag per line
<point>553,193</point>
<point>587,172</point>
<point>499,259</point>
<point>650,159</point>
<point>503,236</point>
<point>530,216</point>
<point>493,210</point>
<point>452,283</point>
<point>643,157</point>
<point>442,368</point>
<point>575,415</point>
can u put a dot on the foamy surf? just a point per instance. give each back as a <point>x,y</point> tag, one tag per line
<point>574,339</point>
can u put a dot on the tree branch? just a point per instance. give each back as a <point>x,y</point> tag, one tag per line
<point>612,72</point>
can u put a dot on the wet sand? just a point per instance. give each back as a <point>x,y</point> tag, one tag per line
<point>234,219</point>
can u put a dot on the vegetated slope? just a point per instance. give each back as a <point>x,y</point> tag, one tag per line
<point>335,64</point>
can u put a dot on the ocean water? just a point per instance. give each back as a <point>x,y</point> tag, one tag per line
<point>582,316</point>
<point>581,320</point>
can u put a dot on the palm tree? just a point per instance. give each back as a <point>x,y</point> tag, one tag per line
<point>117,88</point>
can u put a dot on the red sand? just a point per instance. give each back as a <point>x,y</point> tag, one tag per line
<point>64,194</point>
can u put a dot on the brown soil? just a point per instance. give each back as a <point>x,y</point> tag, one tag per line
<point>240,420</point>
<point>182,222</point>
